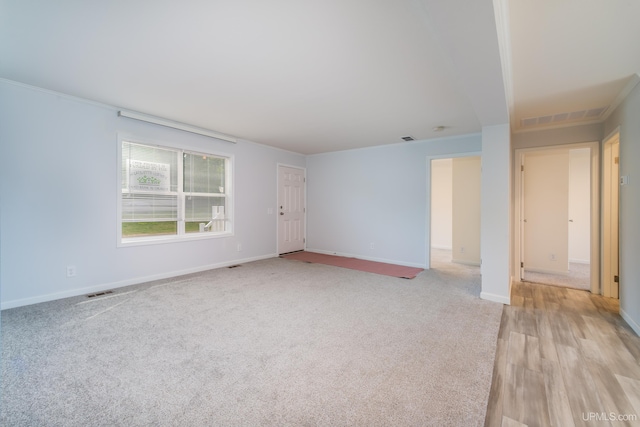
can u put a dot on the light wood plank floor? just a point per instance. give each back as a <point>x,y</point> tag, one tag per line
<point>564,358</point>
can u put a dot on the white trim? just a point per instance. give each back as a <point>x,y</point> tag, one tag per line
<point>59,94</point>
<point>611,134</point>
<point>283,150</point>
<point>471,263</point>
<point>630,321</point>
<point>579,261</point>
<point>119,284</point>
<point>495,298</point>
<point>427,263</point>
<point>175,125</point>
<point>626,90</point>
<point>613,137</point>
<point>366,258</point>
<point>417,141</point>
<point>229,195</point>
<point>545,271</point>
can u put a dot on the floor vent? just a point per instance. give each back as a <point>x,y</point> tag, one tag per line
<point>234,266</point>
<point>288,253</point>
<point>99,294</point>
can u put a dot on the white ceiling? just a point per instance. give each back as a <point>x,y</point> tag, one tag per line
<point>324,75</point>
<point>569,56</point>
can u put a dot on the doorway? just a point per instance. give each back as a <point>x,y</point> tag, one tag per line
<point>454,207</point>
<point>557,212</point>
<point>291,209</point>
<point>610,216</point>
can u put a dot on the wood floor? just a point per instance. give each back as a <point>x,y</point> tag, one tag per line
<point>564,358</point>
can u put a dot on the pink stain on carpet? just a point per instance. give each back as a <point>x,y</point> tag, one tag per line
<point>356,264</point>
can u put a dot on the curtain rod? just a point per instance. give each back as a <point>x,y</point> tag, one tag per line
<point>175,125</point>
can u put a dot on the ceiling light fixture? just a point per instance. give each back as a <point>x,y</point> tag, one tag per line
<point>438,128</point>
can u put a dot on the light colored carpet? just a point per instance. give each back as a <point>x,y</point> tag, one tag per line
<point>578,277</point>
<point>272,342</point>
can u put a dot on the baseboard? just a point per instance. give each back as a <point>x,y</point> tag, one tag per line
<point>579,261</point>
<point>368,258</point>
<point>496,298</point>
<point>543,271</point>
<point>471,263</point>
<point>121,283</point>
<point>630,321</point>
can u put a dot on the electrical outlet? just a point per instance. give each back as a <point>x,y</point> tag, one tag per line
<point>239,247</point>
<point>462,249</point>
<point>552,257</point>
<point>372,245</point>
<point>71,270</point>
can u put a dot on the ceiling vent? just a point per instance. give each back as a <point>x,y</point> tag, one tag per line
<point>592,114</point>
<point>407,138</point>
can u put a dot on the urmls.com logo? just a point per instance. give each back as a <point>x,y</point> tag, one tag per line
<point>611,416</point>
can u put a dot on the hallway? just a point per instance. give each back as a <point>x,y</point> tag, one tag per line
<point>564,357</point>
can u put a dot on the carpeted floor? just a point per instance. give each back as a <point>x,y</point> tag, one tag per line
<point>578,277</point>
<point>272,342</point>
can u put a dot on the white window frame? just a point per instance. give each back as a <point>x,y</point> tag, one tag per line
<point>181,234</point>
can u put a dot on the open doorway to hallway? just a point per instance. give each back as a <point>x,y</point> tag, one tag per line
<point>455,211</point>
<point>557,212</point>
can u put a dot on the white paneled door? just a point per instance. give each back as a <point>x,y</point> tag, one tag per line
<point>546,211</point>
<point>291,209</point>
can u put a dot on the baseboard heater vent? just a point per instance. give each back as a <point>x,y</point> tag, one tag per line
<point>99,294</point>
<point>234,266</point>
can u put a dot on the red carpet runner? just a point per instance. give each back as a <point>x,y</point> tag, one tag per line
<point>356,264</point>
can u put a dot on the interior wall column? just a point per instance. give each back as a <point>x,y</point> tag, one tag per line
<point>495,211</point>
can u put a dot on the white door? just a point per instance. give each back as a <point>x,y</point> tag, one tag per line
<point>546,211</point>
<point>610,232</point>
<point>291,209</point>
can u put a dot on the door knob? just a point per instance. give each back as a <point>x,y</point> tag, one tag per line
<point>281,213</point>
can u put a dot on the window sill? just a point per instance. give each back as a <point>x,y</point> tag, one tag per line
<point>155,240</point>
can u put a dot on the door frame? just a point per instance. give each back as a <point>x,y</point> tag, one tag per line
<point>518,243</point>
<point>429,184</point>
<point>607,185</point>
<point>277,214</point>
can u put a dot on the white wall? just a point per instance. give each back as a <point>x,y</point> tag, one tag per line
<point>579,205</point>
<point>376,196</point>
<point>626,116</point>
<point>466,210</point>
<point>441,203</point>
<point>496,229</point>
<point>58,199</point>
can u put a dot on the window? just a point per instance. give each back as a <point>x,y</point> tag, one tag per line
<point>173,193</point>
